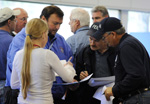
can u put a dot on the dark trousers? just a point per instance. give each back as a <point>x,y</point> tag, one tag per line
<point>10,95</point>
<point>82,95</point>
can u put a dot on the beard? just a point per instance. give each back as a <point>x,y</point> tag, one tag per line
<point>50,35</point>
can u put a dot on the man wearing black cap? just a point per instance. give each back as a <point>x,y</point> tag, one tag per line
<point>132,64</point>
<point>96,58</point>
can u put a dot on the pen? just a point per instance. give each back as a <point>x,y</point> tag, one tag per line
<point>85,67</point>
<point>70,59</point>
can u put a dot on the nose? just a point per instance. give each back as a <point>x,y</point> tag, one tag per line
<point>94,20</point>
<point>92,42</point>
<point>57,26</point>
<point>25,21</point>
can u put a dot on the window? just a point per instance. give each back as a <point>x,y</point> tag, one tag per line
<point>138,22</point>
<point>34,11</point>
<point>138,26</point>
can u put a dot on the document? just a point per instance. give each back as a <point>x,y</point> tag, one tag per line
<point>93,82</point>
<point>99,94</point>
<point>85,79</point>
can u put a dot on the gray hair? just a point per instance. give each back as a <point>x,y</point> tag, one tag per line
<point>81,15</point>
<point>101,9</point>
<point>120,31</point>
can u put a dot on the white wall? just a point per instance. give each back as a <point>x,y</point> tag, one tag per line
<point>138,5</point>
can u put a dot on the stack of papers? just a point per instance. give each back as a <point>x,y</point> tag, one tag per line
<point>93,82</point>
<point>99,94</point>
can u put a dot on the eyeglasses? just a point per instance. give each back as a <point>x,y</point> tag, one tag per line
<point>24,18</point>
<point>104,37</point>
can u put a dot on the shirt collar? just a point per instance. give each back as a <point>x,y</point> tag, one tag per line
<point>81,29</point>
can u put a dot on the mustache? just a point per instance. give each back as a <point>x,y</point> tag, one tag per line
<point>92,45</point>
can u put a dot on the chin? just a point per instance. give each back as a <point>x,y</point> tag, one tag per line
<point>53,33</point>
<point>109,45</point>
<point>94,49</point>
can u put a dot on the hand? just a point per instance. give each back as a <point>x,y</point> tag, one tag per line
<point>108,93</point>
<point>83,74</point>
<point>74,86</point>
<point>69,63</point>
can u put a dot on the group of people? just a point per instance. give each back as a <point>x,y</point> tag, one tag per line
<point>31,59</point>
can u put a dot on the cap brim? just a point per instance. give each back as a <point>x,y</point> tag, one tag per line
<point>16,12</point>
<point>98,35</point>
<point>91,32</point>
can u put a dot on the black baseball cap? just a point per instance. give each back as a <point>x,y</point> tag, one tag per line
<point>108,24</point>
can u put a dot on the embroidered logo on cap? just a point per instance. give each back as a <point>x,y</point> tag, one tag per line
<point>95,27</point>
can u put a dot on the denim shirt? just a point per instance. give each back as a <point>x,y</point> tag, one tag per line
<point>79,40</point>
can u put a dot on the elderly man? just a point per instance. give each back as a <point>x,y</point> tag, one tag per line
<point>7,25</point>
<point>132,64</point>
<point>79,24</point>
<point>96,58</point>
<point>21,21</point>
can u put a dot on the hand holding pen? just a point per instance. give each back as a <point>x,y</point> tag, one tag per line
<point>68,62</point>
<point>84,73</point>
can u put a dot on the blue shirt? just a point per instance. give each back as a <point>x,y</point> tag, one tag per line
<point>58,45</point>
<point>79,40</point>
<point>5,40</point>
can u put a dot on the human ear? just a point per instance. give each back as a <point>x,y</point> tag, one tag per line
<point>114,35</point>
<point>9,21</point>
<point>78,22</point>
<point>43,18</point>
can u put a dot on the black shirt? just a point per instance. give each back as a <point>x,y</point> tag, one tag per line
<point>131,69</point>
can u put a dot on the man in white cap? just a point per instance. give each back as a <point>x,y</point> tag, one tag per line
<point>7,25</point>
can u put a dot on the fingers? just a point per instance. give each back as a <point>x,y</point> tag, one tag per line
<point>108,93</point>
<point>69,63</point>
<point>107,96</point>
<point>83,74</point>
<point>74,86</point>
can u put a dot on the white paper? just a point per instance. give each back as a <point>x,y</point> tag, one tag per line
<point>101,81</point>
<point>99,94</point>
<point>85,79</point>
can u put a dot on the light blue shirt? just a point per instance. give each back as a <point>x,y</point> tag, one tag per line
<point>79,40</point>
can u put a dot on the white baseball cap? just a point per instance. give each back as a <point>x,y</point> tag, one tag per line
<point>6,13</point>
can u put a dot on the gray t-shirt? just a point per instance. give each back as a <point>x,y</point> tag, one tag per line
<point>101,65</point>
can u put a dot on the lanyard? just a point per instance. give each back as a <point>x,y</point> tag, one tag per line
<point>52,44</point>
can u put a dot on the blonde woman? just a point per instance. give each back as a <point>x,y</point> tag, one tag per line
<point>34,67</point>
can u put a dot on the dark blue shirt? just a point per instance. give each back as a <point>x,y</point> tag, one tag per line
<point>5,40</point>
<point>132,67</point>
